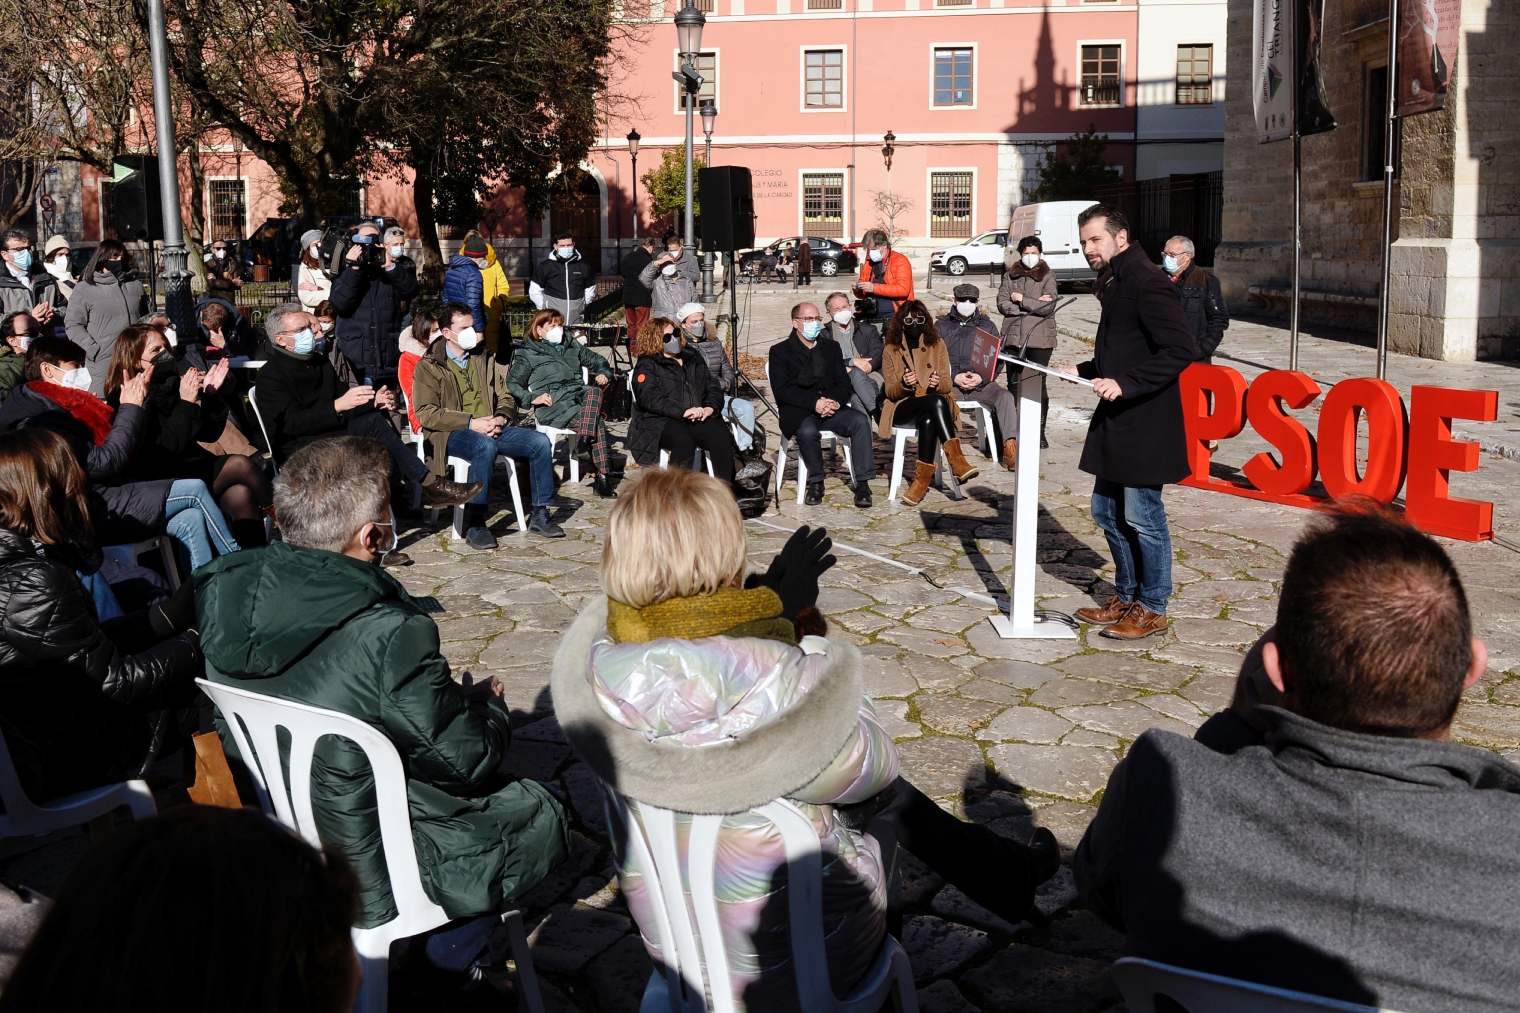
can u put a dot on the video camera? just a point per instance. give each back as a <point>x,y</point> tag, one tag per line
<point>865,308</point>
<point>338,240</point>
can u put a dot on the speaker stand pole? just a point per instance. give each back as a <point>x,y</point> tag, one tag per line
<point>177,302</point>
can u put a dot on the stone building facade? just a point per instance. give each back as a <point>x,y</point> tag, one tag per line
<point>1456,253</point>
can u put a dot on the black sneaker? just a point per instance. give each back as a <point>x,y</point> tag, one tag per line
<point>541,523</point>
<point>814,494</point>
<point>480,537</point>
<point>863,495</point>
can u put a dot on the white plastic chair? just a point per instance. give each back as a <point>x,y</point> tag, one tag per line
<point>982,415</point>
<point>688,931</point>
<point>1142,982</point>
<point>665,460</point>
<point>826,441</point>
<point>256,722</point>
<point>459,471</point>
<point>161,544</point>
<point>900,437</point>
<point>25,818</point>
<point>258,416</point>
<point>573,464</point>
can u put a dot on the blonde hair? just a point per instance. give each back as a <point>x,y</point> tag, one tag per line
<point>673,534</point>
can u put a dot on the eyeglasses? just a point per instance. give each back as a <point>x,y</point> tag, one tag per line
<point>914,318</point>
<point>806,319</point>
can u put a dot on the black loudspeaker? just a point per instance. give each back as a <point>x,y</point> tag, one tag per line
<point>133,208</point>
<point>728,208</point>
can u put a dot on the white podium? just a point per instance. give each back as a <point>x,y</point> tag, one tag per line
<point>1021,623</point>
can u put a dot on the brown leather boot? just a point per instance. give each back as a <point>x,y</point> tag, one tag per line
<point>1110,611</point>
<point>920,488</point>
<point>1010,454</point>
<point>963,469</point>
<point>1137,624</point>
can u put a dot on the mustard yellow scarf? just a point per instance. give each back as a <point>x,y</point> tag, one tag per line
<point>731,612</point>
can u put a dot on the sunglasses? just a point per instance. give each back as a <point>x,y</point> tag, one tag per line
<point>915,318</point>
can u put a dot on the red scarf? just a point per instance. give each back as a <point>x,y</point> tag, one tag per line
<point>87,409</point>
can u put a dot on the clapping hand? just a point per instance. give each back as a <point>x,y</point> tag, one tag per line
<point>190,385</point>
<point>794,573</point>
<point>216,375</point>
<point>354,397</point>
<point>135,390</point>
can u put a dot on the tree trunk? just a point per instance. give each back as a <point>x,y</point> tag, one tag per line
<point>18,184</point>
<point>430,269</point>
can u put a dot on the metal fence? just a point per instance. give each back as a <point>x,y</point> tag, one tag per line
<point>1191,205</point>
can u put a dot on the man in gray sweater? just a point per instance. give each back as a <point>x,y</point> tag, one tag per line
<point>1324,834</point>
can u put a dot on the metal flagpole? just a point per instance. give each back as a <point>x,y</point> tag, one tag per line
<point>176,267</point>
<point>1388,128</point>
<point>1298,233</point>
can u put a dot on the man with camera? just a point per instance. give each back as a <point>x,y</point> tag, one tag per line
<point>860,343</point>
<point>886,276</point>
<point>369,295</point>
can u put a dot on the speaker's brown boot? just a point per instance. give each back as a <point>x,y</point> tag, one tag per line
<point>1010,454</point>
<point>920,488</point>
<point>962,469</point>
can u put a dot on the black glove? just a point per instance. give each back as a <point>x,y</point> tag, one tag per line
<point>174,614</point>
<point>794,573</point>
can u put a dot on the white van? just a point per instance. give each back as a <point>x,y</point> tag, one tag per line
<point>1055,222</point>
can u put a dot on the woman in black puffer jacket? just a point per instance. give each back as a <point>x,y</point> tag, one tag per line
<point>677,404</point>
<point>81,705</point>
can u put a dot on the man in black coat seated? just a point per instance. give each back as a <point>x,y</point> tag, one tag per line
<point>301,400</point>
<point>813,391</point>
<point>1136,442</point>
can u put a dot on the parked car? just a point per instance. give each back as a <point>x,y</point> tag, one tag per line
<point>984,253</point>
<point>1055,222</point>
<point>829,257</point>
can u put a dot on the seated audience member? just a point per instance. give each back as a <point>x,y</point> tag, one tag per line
<point>1027,300</point>
<point>700,336</point>
<point>222,333</point>
<point>270,928</point>
<point>813,392</point>
<point>416,338</point>
<point>693,689</point>
<point>301,400</point>
<point>916,379</point>
<point>546,379</point>
<point>105,440</point>
<point>859,342</point>
<point>315,620</point>
<point>676,403</point>
<point>17,331</point>
<point>81,704</point>
<point>1325,834</point>
<point>460,396</point>
<point>324,321</point>
<point>186,407</point>
<point>958,329</point>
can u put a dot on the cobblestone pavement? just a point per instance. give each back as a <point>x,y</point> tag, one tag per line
<point>1003,732</point>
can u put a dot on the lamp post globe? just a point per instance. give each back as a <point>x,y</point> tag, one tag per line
<point>689,22</point>
<point>888,146</point>
<point>633,154</point>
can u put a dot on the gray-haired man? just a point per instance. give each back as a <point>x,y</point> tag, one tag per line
<point>860,342</point>
<point>1202,301</point>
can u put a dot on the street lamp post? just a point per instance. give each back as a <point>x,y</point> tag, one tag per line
<point>176,268</point>
<point>889,145</point>
<point>689,22</point>
<point>633,153</point>
<point>709,111</point>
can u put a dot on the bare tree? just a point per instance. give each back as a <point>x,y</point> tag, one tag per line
<point>889,208</point>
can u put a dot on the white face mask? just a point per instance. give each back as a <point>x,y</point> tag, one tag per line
<point>22,343</point>
<point>564,252</point>
<point>467,339</point>
<point>555,334</point>
<point>966,309</point>
<point>844,317</point>
<point>1030,260</point>
<point>669,270</point>
<point>58,267</point>
<point>876,255</point>
<point>316,251</point>
<point>171,336</point>
<point>395,538</point>
<point>219,254</point>
<point>77,378</point>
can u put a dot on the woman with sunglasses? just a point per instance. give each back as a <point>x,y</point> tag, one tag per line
<point>917,383</point>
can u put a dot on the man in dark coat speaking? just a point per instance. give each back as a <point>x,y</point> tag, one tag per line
<point>1136,443</point>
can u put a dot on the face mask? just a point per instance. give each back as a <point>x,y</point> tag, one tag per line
<point>164,358</point>
<point>23,341</point>
<point>669,270</point>
<point>695,331</point>
<point>966,309</point>
<point>844,317</point>
<point>554,335</point>
<point>397,252</point>
<point>77,378</point>
<point>672,345</point>
<point>876,255</point>
<point>171,336</point>
<point>1030,260</point>
<point>306,342</point>
<point>811,329</point>
<point>675,253</point>
<point>395,538</point>
<point>325,327</point>
<point>565,252</point>
<point>467,339</point>
<point>58,267</point>
<point>115,267</point>
<point>913,328</point>
<point>316,251</point>
<point>219,254</point>
<point>1169,264</point>
<point>22,259</point>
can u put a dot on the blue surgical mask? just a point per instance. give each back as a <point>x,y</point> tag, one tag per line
<point>23,259</point>
<point>565,252</point>
<point>306,342</point>
<point>1169,263</point>
<point>811,329</point>
<point>398,251</point>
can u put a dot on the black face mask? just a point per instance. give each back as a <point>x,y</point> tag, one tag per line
<point>913,328</point>
<point>116,267</point>
<point>164,358</point>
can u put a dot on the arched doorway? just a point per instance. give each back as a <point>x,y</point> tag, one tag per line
<point>576,206</point>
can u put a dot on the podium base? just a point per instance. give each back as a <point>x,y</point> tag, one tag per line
<point>1047,629</point>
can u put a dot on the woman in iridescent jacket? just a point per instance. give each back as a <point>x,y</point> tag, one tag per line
<point>695,690</point>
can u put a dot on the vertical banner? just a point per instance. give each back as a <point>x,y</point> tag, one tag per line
<point>1313,108</point>
<point>1427,53</point>
<point>1272,69</point>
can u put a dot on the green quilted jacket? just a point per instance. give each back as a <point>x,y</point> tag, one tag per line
<point>322,629</point>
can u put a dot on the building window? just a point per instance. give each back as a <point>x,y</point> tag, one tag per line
<point>707,66</point>
<point>952,3</point>
<point>823,79</point>
<point>950,205</point>
<point>953,70</point>
<point>1375,125</point>
<point>1195,75</point>
<point>823,204</point>
<point>228,201</point>
<point>705,6</point>
<point>825,5</point>
<point>1100,76</point>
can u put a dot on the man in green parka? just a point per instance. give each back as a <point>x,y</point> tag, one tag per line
<point>316,620</point>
